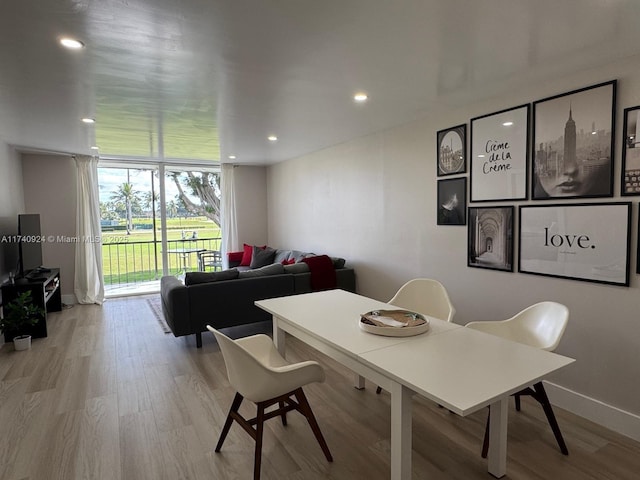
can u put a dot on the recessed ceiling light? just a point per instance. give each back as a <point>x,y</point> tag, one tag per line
<point>71,43</point>
<point>272,138</point>
<point>94,148</point>
<point>88,120</point>
<point>480,156</point>
<point>507,124</point>
<point>360,97</point>
<point>231,157</point>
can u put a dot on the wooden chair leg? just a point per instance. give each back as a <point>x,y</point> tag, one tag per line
<point>235,406</point>
<point>283,416</point>
<point>258,453</point>
<point>305,409</point>
<point>541,396</point>
<point>485,442</point>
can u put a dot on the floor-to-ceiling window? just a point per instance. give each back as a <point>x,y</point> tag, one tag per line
<point>137,250</point>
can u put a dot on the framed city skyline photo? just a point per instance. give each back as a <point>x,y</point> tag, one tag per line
<point>588,242</point>
<point>452,150</point>
<point>573,142</point>
<point>499,153</point>
<point>452,201</point>
<point>490,238</point>
<point>631,152</point>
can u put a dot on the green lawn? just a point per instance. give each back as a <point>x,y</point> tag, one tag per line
<point>129,258</point>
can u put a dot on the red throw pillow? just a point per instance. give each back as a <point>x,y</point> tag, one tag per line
<point>247,254</point>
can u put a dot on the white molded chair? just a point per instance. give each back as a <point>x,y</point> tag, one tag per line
<point>426,296</point>
<point>260,374</point>
<point>542,326</point>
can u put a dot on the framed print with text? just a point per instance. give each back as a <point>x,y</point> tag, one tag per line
<point>499,149</point>
<point>452,201</point>
<point>631,152</point>
<point>587,242</point>
<point>490,238</point>
<point>573,144</point>
<point>452,150</point>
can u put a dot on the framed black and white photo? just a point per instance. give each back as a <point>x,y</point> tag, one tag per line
<point>452,150</point>
<point>490,238</point>
<point>573,144</point>
<point>499,149</point>
<point>452,201</point>
<point>631,152</point>
<point>587,242</point>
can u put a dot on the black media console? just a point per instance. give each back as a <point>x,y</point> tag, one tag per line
<point>45,291</point>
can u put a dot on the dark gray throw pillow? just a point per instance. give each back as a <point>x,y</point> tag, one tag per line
<point>194,278</point>
<point>262,257</point>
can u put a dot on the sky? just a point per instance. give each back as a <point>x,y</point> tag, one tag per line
<point>110,178</point>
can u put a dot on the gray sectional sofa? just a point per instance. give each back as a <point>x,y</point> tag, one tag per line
<point>226,298</point>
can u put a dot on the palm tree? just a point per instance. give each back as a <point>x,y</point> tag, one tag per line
<point>172,208</point>
<point>128,195</point>
<point>149,200</point>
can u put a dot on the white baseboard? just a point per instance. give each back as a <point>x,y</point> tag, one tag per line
<point>69,299</point>
<point>625,423</point>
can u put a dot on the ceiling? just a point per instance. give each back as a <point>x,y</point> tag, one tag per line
<point>206,79</point>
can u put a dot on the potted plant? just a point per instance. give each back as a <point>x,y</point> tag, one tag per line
<point>19,315</point>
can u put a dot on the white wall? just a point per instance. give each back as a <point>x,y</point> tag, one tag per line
<point>11,204</point>
<point>251,204</point>
<point>373,201</point>
<point>50,190</point>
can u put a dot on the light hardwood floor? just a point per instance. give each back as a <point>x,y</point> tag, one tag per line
<point>109,396</point>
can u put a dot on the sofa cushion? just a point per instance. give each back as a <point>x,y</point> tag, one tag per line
<point>194,278</point>
<point>296,268</point>
<point>338,262</point>
<point>273,269</point>
<point>262,257</point>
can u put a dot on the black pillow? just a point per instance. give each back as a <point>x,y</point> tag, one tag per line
<point>194,278</point>
<point>262,257</point>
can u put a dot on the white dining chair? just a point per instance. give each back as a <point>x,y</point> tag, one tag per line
<point>260,374</point>
<point>425,296</point>
<point>542,326</point>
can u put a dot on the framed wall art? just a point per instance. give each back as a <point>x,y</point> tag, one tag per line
<point>452,150</point>
<point>587,242</point>
<point>490,238</point>
<point>499,149</point>
<point>452,201</point>
<point>573,144</point>
<point>631,152</point>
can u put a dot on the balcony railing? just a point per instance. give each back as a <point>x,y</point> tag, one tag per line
<point>141,261</point>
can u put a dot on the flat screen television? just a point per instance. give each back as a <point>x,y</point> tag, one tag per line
<point>30,242</point>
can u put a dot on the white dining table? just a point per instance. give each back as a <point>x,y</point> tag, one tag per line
<point>461,369</point>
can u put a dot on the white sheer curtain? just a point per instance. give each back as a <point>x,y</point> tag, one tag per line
<point>228,211</point>
<point>89,283</point>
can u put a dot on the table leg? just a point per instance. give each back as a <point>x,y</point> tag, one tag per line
<point>400,432</point>
<point>358,381</point>
<point>279,337</point>
<point>497,457</point>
